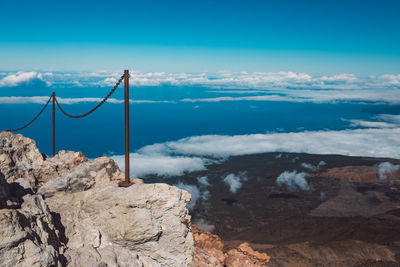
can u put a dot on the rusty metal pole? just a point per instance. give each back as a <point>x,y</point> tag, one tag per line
<point>127,181</point>
<point>54,124</point>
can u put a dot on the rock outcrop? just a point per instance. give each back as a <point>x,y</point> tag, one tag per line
<point>111,222</point>
<point>209,252</point>
<point>69,211</point>
<point>244,255</point>
<point>28,236</point>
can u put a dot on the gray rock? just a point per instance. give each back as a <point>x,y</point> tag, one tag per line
<point>28,235</point>
<point>150,220</point>
<point>18,157</point>
<point>92,222</point>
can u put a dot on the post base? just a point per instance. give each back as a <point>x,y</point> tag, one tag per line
<point>125,183</point>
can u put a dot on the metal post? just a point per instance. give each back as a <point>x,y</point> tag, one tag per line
<point>54,124</point>
<point>127,181</point>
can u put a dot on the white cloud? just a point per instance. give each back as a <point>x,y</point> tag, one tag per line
<point>150,101</point>
<point>205,226</point>
<point>308,166</point>
<point>228,80</point>
<point>23,79</point>
<point>244,98</point>
<point>24,99</point>
<point>371,124</point>
<point>67,101</point>
<point>237,91</point>
<point>62,100</point>
<point>191,154</point>
<point>394,119</point>
<point>159,164</point>
<point>174,158</point>
<point>107,82</point>
<point>389,96</point>
<point>339,78</point>
<point>293,180</point>
<point>193,191</point>
<point>198,196</point>
<point>264,80</point>
<point>205,195</point>
<point>269,86</point>
<point>386,168</point>
<point>357,142</point>
<point>391,79</point>
<point>203,181</point>
<point>313,167</point>
<point>234,182</point>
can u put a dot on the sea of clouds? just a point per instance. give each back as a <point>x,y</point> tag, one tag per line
<point>375,138</point>
<point>255,86</point>
<point>195,153</point>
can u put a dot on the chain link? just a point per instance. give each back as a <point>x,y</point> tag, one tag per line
<point>263,262</point>
<point>96,107</point>
<point>37,116</point>
<point>69,115</point>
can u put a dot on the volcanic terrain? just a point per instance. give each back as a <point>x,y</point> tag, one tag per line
<point>323,210</point>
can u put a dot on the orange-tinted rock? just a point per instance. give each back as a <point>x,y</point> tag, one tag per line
<point>244,255</point>
<point>352,173</point>
<point>208,250</point>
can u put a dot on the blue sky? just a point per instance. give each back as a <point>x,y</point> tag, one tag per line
<point>320,37</point>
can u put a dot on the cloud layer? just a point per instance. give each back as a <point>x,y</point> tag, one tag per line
<point>161,165</point>
<point>67,101</point>
<point>193,153</point>
<point>359,142</point>
<point>24,79</point>
<point>216,80</point>
<point>256,86</point>
<point>264,80</point>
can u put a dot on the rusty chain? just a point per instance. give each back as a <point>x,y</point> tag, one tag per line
<point>63,111</point>
<point>263,262</point>
<point>37,116</point>
<point>96,107</point>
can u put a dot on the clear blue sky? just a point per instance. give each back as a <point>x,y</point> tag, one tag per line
<point>316,36</point>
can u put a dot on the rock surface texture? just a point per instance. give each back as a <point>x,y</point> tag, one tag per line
<point>28,236</point>
<point>209,252</point>
<point>69,211</point>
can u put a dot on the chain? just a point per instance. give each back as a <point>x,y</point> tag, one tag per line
<point>263,262</point>
<point>37,116</point>
<point>96,107</point>
<point>71,116</point>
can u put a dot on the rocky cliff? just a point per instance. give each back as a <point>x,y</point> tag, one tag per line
<point>68,210</point>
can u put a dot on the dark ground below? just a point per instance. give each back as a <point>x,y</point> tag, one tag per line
<point>343,220</point>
